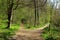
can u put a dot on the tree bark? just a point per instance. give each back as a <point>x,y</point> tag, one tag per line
<point>10,4</point>
<point>9,11</point>
<point>35,12</point>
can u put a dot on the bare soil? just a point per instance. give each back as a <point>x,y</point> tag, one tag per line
<point>26,34</point>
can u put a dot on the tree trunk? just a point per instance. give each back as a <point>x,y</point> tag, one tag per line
<point>9,11</point>
<point>35,12</point>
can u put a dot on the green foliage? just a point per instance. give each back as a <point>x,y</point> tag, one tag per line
<point>27,12</point>
<point>52,34</point>
<point>6,33</point>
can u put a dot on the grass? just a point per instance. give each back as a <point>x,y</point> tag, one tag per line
<point>32,27</point>
<point>52,34</point>
<point>6,33</point>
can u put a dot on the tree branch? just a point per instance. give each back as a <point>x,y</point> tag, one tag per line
<point>17,3</point>
<point>44,3</point>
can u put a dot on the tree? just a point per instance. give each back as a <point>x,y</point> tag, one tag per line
<point>35,12</point>
<point>37,6</point>
<point>10,5</point>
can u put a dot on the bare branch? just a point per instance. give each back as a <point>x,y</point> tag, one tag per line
<point>44,3</point>
<point>17,4</point>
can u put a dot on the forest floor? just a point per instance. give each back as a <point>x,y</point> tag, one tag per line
<point>27,34</point>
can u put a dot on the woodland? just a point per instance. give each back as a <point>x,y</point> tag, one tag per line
<point>40,18</point>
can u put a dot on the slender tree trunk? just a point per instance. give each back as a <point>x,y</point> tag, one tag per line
<point>35,12</point>
<point>51,17</point>
<point>12,17</point>
<point>9,11</point>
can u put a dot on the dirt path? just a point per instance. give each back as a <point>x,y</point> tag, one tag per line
<point>26,34</point>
